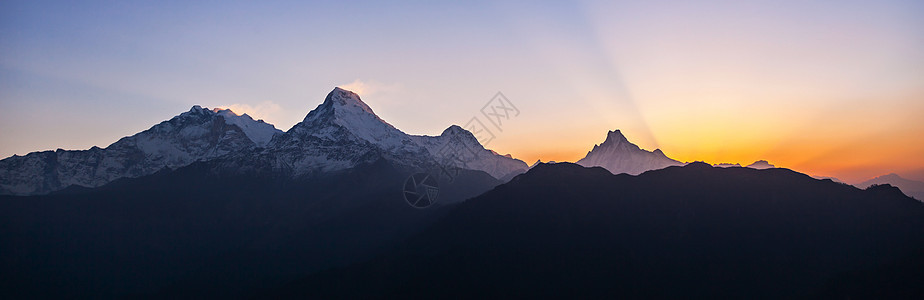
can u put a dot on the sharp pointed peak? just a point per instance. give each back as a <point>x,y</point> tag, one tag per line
<point>615,136</point>
<point>341,102</point>
<point>344,109</point>
<point>344,97</point>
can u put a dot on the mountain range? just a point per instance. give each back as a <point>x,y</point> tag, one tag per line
<point>232,215</point>
<point>341,133</point>
<point>211,204</point>
<point>218,204</point>
<point>199,134</point>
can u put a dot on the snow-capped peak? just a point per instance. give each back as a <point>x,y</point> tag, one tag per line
<point>618,155</point>
<point>342,132</point>
<point>348,100</point>
<point>453,129</point>
<point>197,110</point>
<point>459,146</point>
<point>195,135</point>
<point>462,135</point>
<point>343,106</point>
<point>615,137</point>
<point>258,131</point>
<point>344,109</point>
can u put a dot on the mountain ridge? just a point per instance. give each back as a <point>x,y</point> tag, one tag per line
<point>564,230</point>
<point>340,133</point>
<point>188,137</point>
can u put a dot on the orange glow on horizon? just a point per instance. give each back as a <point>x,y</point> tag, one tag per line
<point>839,147</point>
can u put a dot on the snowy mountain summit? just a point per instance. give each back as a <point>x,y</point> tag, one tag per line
<point>198,134</point>
<point>344,109</point>
<point>344,132</point>
<point>618,155</point>
<point>341,133</point>
<point>261,133</point>
<point>459,148</point>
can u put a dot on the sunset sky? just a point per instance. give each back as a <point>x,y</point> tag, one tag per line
<point>829,88</point>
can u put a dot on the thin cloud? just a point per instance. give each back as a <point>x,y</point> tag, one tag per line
<point>371,88</point>
<point>266,110</point>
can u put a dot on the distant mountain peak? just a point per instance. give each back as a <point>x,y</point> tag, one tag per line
<point>615,137</point>
<point>761,164</point>
<point>659,152</point>
<point>458,133</point>
<point>909,187</point>
<point>345,99</point>
<point>229,113</point>
<point>618,155</point>
<point>259,132</point>
<point>454,129</point>
<point>727,165</point>
<point>455,145</point>
<point>344,109</point>
<point>540,162</point>
<point>197,110</point>
<point>224,111</point>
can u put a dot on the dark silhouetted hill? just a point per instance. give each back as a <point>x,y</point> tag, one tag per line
<point>565,231</point>
<point>911,188</point>
<point>195,233</point>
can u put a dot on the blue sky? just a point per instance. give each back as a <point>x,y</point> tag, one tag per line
<point>818,86</point>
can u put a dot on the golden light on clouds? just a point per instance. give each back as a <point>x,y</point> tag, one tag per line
<point>367,88</point>
<point>266,110</point>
